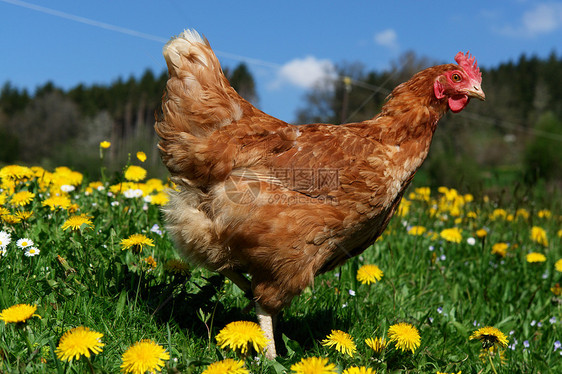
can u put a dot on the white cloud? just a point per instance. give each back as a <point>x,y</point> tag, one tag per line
<point>387,38</point>
<point>305,72</point>
<point>542,19</point>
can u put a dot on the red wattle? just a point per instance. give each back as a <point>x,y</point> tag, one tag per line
<point>458,102</point>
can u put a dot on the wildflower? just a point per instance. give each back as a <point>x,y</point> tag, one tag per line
<point>341,341</point>
<point>150,261</point>
<point>242,335</point>
<point>490,353</point>
<point>22,198</point>
<point>523,213</point>
<point>535,257</point>
<point>156,229</point>
<point>359,370</point>
<point>24,243</point>
<point>313,365</point>
<point>77,342</point>
<point>177,267</point>
<point>481,233</point>
<point>67,188</point>
<point>133,193</point>
<point>499,249</point>
<point>11,219</point>
<point>23,216</point>
<point>471,241</point>
<point>498,213</point>
<point>558,265</point>
<point>15,172</point>
<point>368,274</point>
<point>417,230</point>
<point>32,251</point>
<point>556,289</point>
<point>490,336</point>
<point>376,344</point>
<point>228,366</point>
<point>18,313</point>
<point>552,320</point>
<point>137,241</point>
<point>105,144</point>
<point>77,222</point>
<point>4,239</point>
<point>135,173</point>
<point>160,198</point>
<point>54,202</point>
<point>452,235</point>
<point>144,356</point>
<point>405,336</point>
<point>538,235</point>
<point>557,345</point>
<point>141,156</point>
<point>544,213</point>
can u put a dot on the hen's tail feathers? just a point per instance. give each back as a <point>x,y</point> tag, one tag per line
<point>199,97</point>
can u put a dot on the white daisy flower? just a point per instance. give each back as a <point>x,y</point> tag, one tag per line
<point>24,243</point>
<point>132,193</point>
<point>32,251</point>
<point>4,239</point>
<point>67,188</point>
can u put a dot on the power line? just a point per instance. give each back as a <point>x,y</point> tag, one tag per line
<point>130,32</point>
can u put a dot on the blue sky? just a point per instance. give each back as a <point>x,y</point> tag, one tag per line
<point>287,44</point>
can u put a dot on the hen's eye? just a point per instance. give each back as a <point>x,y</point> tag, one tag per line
<point>456,77</point>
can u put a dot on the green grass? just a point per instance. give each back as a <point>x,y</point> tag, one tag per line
<point>446,290</point>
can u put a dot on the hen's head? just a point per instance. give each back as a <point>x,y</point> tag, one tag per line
<point>460,83</point>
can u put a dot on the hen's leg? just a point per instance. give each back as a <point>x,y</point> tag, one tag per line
<point>267,324</point>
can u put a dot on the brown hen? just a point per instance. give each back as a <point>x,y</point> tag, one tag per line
<point>284,203</point>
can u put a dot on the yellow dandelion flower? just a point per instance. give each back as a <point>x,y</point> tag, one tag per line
<point>18,313</point>
<point>481,233</point>
<point>417,230</point>
<point>535,257</point>
<point>11,219</point>
<point>544,213</point>
<point>137,241</point>
<point>242,335</point>
<point>558,265</point>
<point>405,336</point>
<point>77,222</point>
<point>358,370</point>
<point>228,366</point>
<point>376,344</point>
<point>16,172</point>
<point>22,198</point>
<point>556,289</point>
<point>150,261</point>
<point>368,274</point>
<point>141,156</point>
<point>538,235</point>
<point>160,198</point>
<point>177,267</point>
<point>341,341</point>
<point>144,356</point>
<point>489,337</point>
<point>404,207</point>
<point>23,215</point>
<point>135,173</point>
<point>105,144</point>
<point>313,365</point>
<point>79,341</point>
<point>452,235</point>
<point>498,213</point>
<point>523,213</point>
<point>500,249</point>
<point>54,202</point>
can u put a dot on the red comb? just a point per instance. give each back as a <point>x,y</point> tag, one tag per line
<point>469,65</point>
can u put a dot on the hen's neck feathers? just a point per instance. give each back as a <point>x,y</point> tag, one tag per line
<point>411,110</point>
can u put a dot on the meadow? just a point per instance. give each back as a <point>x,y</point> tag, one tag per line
<point>90,282</point>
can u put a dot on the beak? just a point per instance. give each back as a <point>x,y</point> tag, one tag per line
<point>476,92</point>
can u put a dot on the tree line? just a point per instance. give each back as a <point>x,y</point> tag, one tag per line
<point>515,135</point>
